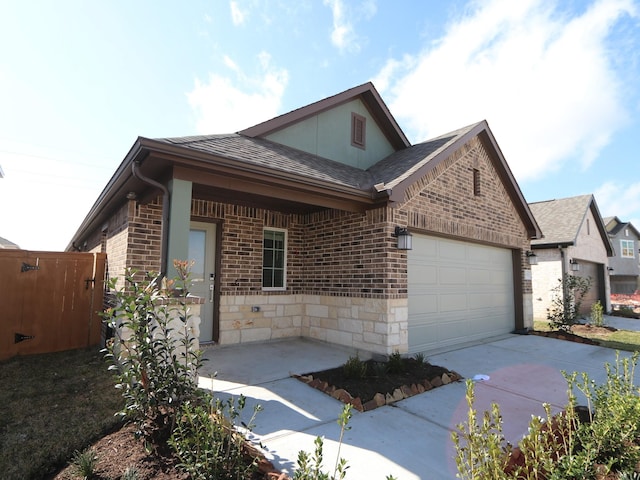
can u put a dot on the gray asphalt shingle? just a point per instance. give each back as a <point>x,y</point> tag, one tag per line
<point>560,220</point>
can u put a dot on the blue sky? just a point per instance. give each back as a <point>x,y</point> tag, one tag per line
<point>558,82</point>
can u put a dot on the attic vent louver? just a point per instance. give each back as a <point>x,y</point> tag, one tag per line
<point>358,130</point>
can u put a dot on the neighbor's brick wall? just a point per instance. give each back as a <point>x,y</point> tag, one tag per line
<point>546,276</point>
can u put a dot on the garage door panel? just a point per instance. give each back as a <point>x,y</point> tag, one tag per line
<point>463,293</point>
<point>426,304</point>
<point>427,275</point>
<point>451,275</point>
<point>452,251</point>
<point>453,302</point>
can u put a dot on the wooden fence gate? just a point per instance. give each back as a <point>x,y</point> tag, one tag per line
<point>49,301</point>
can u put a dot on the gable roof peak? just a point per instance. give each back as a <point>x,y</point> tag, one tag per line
<point>366,92</point>
<point>561,220</point>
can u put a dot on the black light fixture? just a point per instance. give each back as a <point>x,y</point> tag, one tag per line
<point>404,238</point>
<point>609,269</point>
<point>532,257</point>
<point>575,266</point>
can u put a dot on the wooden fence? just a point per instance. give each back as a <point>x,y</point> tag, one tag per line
<point>49,301</point>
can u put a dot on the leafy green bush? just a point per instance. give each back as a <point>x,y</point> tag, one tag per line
<point>156,367</point>
<point>596,314</point>
<point>395,363</point>
<point>208,443</point>
<point>355,368</point>
<point>567,300</point>
<point>560,447</point>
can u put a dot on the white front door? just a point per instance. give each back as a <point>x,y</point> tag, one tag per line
<point>202,247</point>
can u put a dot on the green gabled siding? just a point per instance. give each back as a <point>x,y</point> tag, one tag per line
<point>328,135</point>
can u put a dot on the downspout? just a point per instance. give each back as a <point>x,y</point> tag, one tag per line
<point>135,169</point>
<point>564,278</point>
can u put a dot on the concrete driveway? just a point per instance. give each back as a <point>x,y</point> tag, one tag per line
<point>412,438</point>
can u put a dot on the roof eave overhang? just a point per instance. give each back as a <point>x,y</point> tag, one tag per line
<point>602,229</point>
<point>547,245</point>
<point>215,171</point>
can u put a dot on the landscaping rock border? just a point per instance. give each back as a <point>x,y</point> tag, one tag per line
<point>380,399</point>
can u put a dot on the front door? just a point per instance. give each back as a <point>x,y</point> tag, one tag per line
<point>202,247</point>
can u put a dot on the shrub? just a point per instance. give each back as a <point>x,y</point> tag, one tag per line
<point>420,358</point>
<point>208,443</point>
<point>559,447</point>
<point>355,368</point>
<point>395,363</point>
<point>155,365</point>
<point>85,463</point>
<point>567,300</point>
<point>596,314</point>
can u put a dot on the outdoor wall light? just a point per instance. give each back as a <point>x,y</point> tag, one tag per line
<point>575,266</point>
<point>404,238</point>
<point>609,269</point>
<point>532,257</point>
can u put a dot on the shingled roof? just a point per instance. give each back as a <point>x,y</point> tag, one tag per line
<point>247,167</point>
<point>560,221</point>
<point>264,153</point>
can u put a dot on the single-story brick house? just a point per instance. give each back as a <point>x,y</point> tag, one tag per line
<point>295,225</point>
<point>575,243</point>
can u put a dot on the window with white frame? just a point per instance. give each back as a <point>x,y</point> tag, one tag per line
<point>274,259</point>
<point>627,249</point>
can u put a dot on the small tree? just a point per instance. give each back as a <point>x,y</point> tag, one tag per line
<point>567,300</point>
<point>155,361</point>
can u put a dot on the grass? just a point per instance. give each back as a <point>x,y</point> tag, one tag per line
<point>619,340</point>
<point>52,406</point>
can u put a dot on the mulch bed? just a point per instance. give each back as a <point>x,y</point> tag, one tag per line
<point>376,390</point>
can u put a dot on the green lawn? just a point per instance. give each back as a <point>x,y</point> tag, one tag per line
<point>618,340</point>
<point>53,404</point>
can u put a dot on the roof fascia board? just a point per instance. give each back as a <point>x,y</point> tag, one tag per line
<point>111,190</point>
<point>399,190</point>
<point>367,92</point>
<point>484,133</point>
<point>593,206</point>
<point>511,184</point>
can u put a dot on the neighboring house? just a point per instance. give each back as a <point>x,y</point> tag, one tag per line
<point>624,268</point>
<point>295,225</point>
<point>575,242</point>
<point>4,243</point>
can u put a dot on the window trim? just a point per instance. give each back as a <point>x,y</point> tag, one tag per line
<point>358,141</point>
<point>624,248</point>
<point>284,266</point>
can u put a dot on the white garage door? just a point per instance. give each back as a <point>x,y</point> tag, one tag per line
<point>458,292</point>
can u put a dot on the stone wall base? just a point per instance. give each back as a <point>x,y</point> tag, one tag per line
<point>368,324</point>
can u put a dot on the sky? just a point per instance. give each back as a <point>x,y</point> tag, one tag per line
<point>557,81</point>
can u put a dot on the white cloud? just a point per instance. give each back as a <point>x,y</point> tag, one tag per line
<point>224,105</point>
<point>620,200</point>
<point>545,82</point>
<point>343,35</point>
<point>238,15</point>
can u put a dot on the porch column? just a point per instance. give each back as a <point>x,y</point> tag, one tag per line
<point>179,223</point>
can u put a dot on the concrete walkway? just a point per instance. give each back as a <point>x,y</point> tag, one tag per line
<point>412,438</point>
